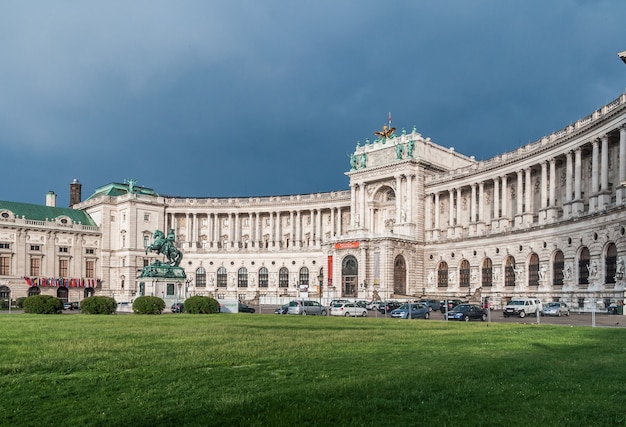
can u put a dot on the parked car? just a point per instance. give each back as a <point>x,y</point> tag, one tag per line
<point>282,309</point>
<point>338,301</point>
<point>451,304</point>
<point>178,307</point>
<point>432,304</point>
<point>67,306</point>
<point>244,308</point>
<point>467,312</point>
<point>556,308</point>
<point>348,309</point>
<point>412,311</point>
<point>364,304</point>
<point>306,307</point>
<point>522,307</point>
<point>376,305</point>
<point>388,306</point>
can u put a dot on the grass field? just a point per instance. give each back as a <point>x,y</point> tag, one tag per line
<point>266,370</point>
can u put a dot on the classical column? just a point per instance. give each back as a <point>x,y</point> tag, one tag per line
<point>362,210</point>
<point>472,204</point>
<point>459,222</point>
<point>481,198</point>
<point>569,173</point>
<point>605,197</point>
<point>520,194</point>
<point>292,229</point>
<point>339,228</point>
<point>593,197</point>
<point>621,189</point>
<point>504,199</point>
<point>496,198</point>
<point>353,208</point>
<point>528,202</point>
<point>237,229</point>
<point>451,207</point>
<point>436,207</point>
<point>428,214</point>
<point>320,231</point>
<point>398,199</point>
<point>409,198</point>
<point>577,204</point>
<point>544,185</point>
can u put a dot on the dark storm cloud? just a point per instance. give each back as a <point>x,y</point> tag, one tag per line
<point>237,98</point>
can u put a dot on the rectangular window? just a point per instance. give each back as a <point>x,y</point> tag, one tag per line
<point>4,266</point>
<point>90,268</point>
<point>5,246</point>
<point>145,241</point>
<point>63,249</point>
<point>35,266</point>
<point>35,248</point>
<point>64,270</point>
<point>146,217</point>
<point>90,251</point>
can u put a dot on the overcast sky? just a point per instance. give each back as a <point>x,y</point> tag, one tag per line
<point>268,97</point>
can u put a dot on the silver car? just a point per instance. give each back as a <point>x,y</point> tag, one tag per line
<point>306,307</point>
<point>555,309</point>
<point>348,309</point>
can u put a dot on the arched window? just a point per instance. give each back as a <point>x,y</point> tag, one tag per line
<point>533,270</point>
<point>303,278</point>
<point>557,269</point>
<point>283,277</point>
<point>464,274</point>
<point>5,293</point>
<point>487,273</point>
<point>399,276</point>
<point>610,263</point>
<point>442,274</point>
<point>263,278</point>
<point>200,277</point>
<point>242,277</point>
<point>222,277</point>
<point>34,290</point>
<point>583,266</point>
<point>349,276</point>
<point>509,271</point>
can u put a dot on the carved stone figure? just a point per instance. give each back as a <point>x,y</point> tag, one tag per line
<point>567,271</point>
<point>409,148</point>
<point>592,269</point>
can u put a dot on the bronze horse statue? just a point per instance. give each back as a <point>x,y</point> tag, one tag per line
<point>165,245</point>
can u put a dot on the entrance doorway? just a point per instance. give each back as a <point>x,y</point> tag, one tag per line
<point>349,276</point>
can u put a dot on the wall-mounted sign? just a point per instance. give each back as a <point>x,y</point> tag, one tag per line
<point>346,245</point>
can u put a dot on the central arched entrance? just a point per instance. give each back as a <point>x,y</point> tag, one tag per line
<point>349,276</point>
<point>399,276</point>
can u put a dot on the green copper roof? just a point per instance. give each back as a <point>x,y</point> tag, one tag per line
<point>43,213</point>
<point>116,189</point>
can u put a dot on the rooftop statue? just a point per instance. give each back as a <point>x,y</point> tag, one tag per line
<point>386,133</point>
<point>165,245</point>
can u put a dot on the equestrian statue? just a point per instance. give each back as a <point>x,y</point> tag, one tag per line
<point>165,245</point>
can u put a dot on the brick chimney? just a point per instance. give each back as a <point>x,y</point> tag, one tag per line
<point>75,192</point>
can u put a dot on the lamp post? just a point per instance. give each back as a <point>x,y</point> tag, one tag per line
<point>320,279</point>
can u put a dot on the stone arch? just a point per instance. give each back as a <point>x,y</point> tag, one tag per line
<point>399,276</point>
<point>349,276</point>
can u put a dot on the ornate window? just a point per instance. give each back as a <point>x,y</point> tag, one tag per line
<point>509,271</point>
<point>263,278</point>
<point>242,277</point>
<point>557,269</point>
<point>303,278</point>
<point>487,273</point>
<point>464,274</point>
<point>533,270</point>
<point>442,275</point>
<point>610,263</point>
<point>5,266</point>
<point>200,277</point>
<point>283,278</point>
<point>583,266</point>
<point>222,277</point>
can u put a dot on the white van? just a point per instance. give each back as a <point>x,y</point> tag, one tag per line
<point>518,306</point>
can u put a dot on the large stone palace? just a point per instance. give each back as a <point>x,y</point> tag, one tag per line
<point>419,220</point>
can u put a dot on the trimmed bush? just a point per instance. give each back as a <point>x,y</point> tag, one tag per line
<point>19,303</point>
<point>148,305</point>
<point>98,305</point>
<point>43,304</point>
<point>201,305</point>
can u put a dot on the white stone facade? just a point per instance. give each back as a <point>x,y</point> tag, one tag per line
<point>547,219</point>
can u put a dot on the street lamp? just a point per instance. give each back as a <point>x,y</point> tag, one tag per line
<point>320,279</point>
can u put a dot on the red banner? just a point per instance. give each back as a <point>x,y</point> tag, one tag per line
<point>347,245</point>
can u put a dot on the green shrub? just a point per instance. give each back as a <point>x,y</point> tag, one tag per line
<point>148,305</point>
<point>19,303</point>
<point>98,305</point>
<point>43,304</point>
<point>201,305</point>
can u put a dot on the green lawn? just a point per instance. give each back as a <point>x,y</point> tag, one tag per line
<point>226,370</point>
